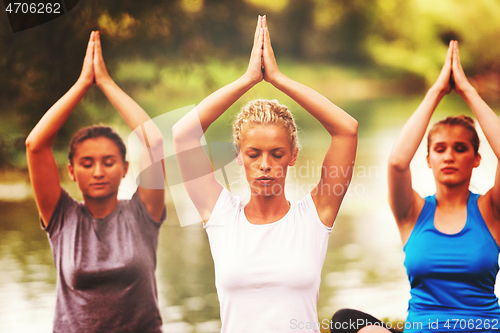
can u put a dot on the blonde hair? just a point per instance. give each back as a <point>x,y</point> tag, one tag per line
<point>265,112</point>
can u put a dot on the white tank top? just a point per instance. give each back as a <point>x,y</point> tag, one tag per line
<point>267,276</point>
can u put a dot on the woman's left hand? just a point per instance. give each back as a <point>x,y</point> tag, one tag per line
<point>271,70</point>
<point>100,71</point>
<point>461,82</point>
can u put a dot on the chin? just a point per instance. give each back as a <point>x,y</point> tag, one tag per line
<point>454,182</point>
<point>100,196</point>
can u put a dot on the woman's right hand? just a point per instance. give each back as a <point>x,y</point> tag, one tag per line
<point>42,166</point>
<point>254,70</point>
<point>405,202</point>
<point>445,79</point>
<point>87,75</point>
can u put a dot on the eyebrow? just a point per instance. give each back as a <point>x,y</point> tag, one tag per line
<point>454,142</point>
<point>271,149</point>
<point>90,158</point>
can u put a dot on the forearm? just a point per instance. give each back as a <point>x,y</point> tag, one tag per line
<point>218,102</point>
<point>488,120</point>
<point>140,123</point>
<point>334,119</point>
<point>43,134</point>
<point>414,130</point>
<point>188,131</point>
<point>133,115</point>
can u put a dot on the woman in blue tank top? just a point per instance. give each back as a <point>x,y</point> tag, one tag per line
<point>451,239</point>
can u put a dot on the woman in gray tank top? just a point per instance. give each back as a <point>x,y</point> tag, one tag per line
<point>104,249</point>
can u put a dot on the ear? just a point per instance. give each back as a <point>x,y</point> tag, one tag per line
<point>125,168</point>
<point>71,172</point>
<point>238,159</point>
<point>237,155</point>
<point>428,161</point>
<point>294,157</point>
<point>477,161</point>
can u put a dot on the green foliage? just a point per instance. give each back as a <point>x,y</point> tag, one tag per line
<point>413,35</point>
<point>181,38</point>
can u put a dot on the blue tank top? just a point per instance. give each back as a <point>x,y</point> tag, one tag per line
<point>452,277</point>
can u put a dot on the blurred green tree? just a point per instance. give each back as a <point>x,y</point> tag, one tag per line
<point>40,64</point>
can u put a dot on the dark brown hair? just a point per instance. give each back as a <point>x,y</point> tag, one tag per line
<point>463,121</point>
<point>92,132</point>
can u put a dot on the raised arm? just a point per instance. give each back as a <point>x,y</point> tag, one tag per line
<point>330,191</point>
<point>490,124</point>
<point>151,183</point>
<point>42,166</point>
<point>196,169</point>
<point>405,203</point>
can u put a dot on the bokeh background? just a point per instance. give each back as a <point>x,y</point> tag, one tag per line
<point>373,58</point>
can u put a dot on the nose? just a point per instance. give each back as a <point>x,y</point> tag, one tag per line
<point>264,163</point>
<point>449,155</point>
<point>98,170</point>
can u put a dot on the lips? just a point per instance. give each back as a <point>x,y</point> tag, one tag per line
<point>98,185</point>
<point>265,180</point>
<point>449,170</point>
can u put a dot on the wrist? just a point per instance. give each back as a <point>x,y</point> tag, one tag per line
<point>249,80</point>
<point>277,80</point>
<point>84,84</point>
<point>437,92</point>
<point>465,90</point>
<point>105,83</point>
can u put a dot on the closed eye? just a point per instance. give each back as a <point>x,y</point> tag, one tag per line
<point>461,148</point>
<point>86,163</point>
<point>439,149</point>
<point>109,162</point>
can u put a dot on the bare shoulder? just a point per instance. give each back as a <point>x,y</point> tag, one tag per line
<point>489,214</point>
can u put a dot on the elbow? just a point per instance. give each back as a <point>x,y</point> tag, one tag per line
<point>396,163</point>
<point>353,127</point>
<point>177,133</point>
<point>32,146</point>
<point>182,133</point>
<point>350,128</point>
<point>179,136</point>
<point>28,144</point>
<point>155,141</point>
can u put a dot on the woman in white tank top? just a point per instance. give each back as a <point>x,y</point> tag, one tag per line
<point>268,253</point>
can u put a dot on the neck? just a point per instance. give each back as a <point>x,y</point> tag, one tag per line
<point>452,196</point>
<point>266,209</point>
<point>102,207</point>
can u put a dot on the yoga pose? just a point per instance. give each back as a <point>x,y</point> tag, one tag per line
<point>268,253</point>
<point>451,239</point>
<point>104,249</point>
